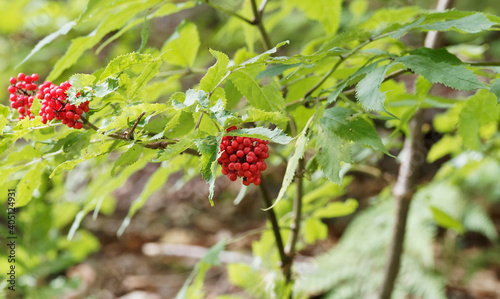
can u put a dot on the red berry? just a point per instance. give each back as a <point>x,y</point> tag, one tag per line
<point>237,166</point>
<point>12,80</point>
<point>34,77</point>
<point>240,154</point>
<point>232,176</point>
<point>257,181</point>
<point>78,125</point>
<point>233,158</point>
<point>21,77</point>
<point>252,168</point>
<point>245,166</point>
<point>11,89</point>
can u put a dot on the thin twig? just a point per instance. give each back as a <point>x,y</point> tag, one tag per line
<point>130,134</point>
<point>198,122</point>
<point>266,40</point>
<point>348,92</point>
<point>229,12</point>
<point>275,226</point>
<point>342,58</point>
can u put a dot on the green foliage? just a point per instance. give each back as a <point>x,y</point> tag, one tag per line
<point>323,103</point>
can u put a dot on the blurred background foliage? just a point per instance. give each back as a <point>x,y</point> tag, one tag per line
<point>439,262</point>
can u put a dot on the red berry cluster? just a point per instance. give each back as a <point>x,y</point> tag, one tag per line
<point>55,105</point>
<point>243,157</point>
<point>22,92</point>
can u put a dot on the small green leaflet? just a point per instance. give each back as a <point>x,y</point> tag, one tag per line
<point>337,209</point>
<point>277,118</point>
<point>330,151</point>
<point>103,149</point>
<point>480,109</point>
<point>445,220</point>
<point>48,39</point>
<point>221,115</point>
<point>216,72</point>
<point>149,72</point>
<point>80,81</point>
<point>368,89</point>
<point>177,148</point>
<point>261,57</point>
<point>208,148</point>
<point>360,130</point>
<point>182,46</point>
<point>123,62</point>
<point>112,21</point>
<point>457,77</point>
<point>275,70</point>
<point>293,162</point>
<point>275,135</point>
<point>30,181</point>
<point>268,98</point>
<point>127,158</point>
<point>181,101</point>
<point>495,89</point>
<point>369,67</point>
<point>470,24</point>
<point>438,55</point>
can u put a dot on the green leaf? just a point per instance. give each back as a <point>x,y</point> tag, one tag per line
<point>368,89</point>
<point>327,12</point>
<point>216,72</point>
<point>314,230</point>
<point>268,98</point>
<point>330,152</point>
<point>446,145</point>
<point>275,70</point>
<point>275,135</point>
<point>445,220</point>
<point>48,39</point>
<point>293,163</point>
<point>144,33</point>
<point>261,57</point>
<point>79,81</point>
<point>360,130</point>
<point>129,157</point>
<point>182,46</point>
<point>438,55</point>
<point>150,71</point>
<point>471,24</point>
<point>112,21</point>
<point>29,183</point>
<point>337,209</point>
<point>495,89</point>
<point>480,109</point>
<point>277,118</point>
<point>103,149</point>
<point>176,148</point>
<point>123,62</point>
<point>166,9</point>
<point>457,77</point>
<point>132,111</point>
<point>208,148</point>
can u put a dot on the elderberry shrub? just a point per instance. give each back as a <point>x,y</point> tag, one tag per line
<point>54,104</point>
<point>243,157</point>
